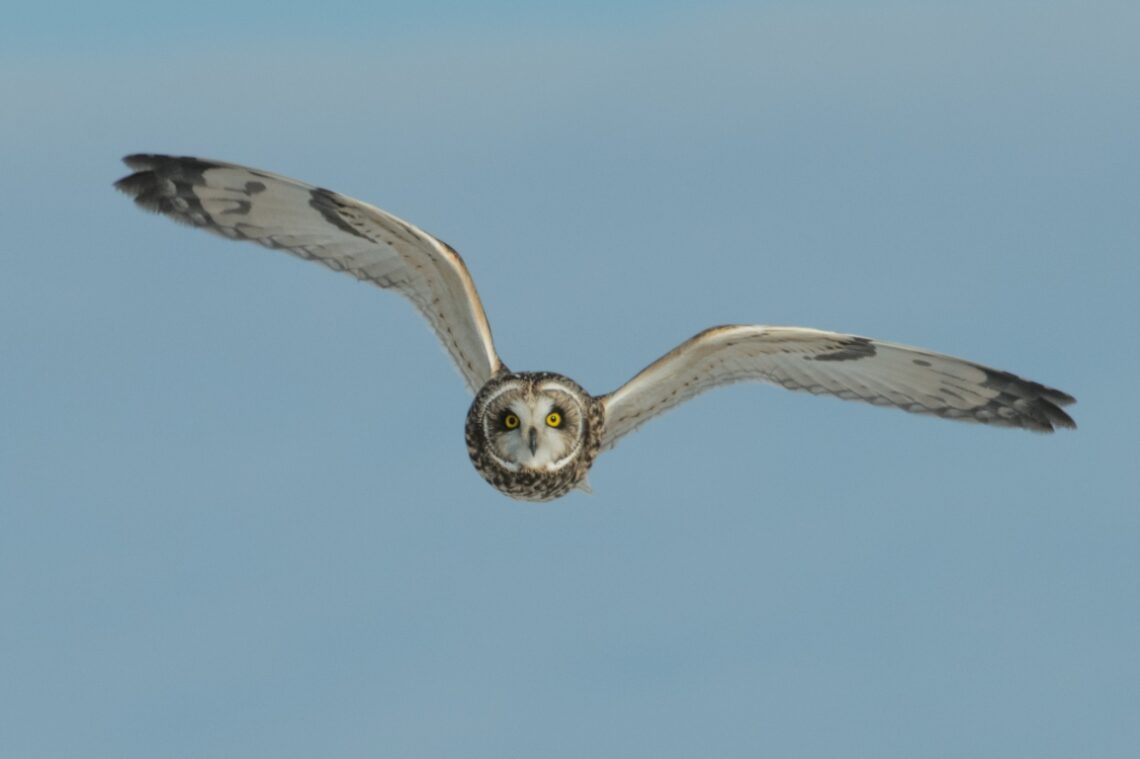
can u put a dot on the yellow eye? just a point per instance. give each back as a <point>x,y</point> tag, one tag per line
<point>510,421</point>
<point>554,419</point>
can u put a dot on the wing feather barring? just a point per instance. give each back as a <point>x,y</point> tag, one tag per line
<point>535,435</point>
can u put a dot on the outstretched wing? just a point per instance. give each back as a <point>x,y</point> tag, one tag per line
<point>317,224</point>
<point>846,366</point>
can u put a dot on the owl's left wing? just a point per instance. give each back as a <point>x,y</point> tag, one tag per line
<point>846,366</point>
<point>340,232</point>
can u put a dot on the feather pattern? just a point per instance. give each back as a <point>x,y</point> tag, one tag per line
<point>830,363</point>
<point>372,245</point>
<point>340,232</point>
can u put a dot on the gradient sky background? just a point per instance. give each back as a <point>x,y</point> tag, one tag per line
<point>236,513</point>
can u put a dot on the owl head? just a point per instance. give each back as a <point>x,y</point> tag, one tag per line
<point>533,435</point>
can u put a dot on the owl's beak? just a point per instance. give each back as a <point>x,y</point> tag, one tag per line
<point>532,437</point>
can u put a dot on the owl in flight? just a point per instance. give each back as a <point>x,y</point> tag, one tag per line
<point>534,435</point>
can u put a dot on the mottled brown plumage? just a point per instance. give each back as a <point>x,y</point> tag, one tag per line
<point>583,422</point>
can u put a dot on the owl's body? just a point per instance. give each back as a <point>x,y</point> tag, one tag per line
<point>535,435</point>
<point>534,459</point>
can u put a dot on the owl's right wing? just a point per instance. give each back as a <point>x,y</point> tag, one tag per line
<point>846,366</point>
<point>340,232</point>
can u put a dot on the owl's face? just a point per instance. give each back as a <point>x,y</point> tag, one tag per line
<point>536,426</point>
<point>534,435</point>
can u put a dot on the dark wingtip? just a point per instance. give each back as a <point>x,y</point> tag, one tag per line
<point>1055,417</point>
<point>143,187</point>
<point>1024,403</point>
<point>140,161</point>
<point>1061,399</point>
<point>161,165</point>
<point>1050,402</point>
<point>1039,405</point>
<point>164,184</point>
<point>137,183</point>
<point>130,184</point>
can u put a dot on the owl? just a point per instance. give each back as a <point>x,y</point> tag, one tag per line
<point>535,435</point>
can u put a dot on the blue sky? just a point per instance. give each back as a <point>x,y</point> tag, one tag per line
<point>236,513</point>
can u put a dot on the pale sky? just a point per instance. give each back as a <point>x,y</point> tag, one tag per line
<point>237,517</point>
